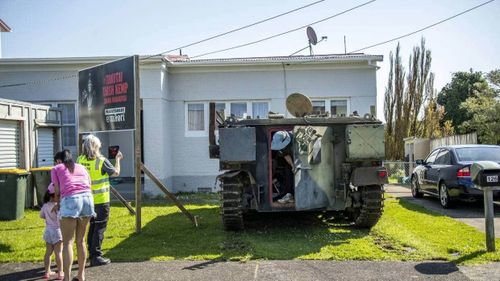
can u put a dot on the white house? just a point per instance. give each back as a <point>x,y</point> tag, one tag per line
<point>176,91</point>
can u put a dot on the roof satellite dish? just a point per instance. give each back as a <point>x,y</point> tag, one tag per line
<point>299,105</point>
<point>311,34</point>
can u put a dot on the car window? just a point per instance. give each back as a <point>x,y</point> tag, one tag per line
<point>478,154</point>
<point>443,158</point>
<point>430,159</point>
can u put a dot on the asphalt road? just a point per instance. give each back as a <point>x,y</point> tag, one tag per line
<point>268,270</point>
<point>467,212</point>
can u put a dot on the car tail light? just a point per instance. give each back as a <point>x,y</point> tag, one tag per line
<point>382,173</point>
<point>464,172</point>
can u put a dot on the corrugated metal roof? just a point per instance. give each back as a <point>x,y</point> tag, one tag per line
<point>278,59</point>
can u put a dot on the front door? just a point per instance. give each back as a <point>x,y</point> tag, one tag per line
<point>314,167</point>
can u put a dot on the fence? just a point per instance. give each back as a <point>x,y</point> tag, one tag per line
<point>399,172</point>
<point>456,139</point>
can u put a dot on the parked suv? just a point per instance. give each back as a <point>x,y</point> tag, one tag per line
<point>445,173</point>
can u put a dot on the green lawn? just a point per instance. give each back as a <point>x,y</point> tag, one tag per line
<point>405,232</point>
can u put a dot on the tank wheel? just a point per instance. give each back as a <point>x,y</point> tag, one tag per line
<point>372,204</point>
<point>232,202</point>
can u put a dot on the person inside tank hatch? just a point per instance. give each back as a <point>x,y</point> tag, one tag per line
<point>281,146</point>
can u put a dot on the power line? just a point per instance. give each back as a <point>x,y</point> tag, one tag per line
<point>283,33</point>
<point>38,82</point>
<point>235,30</point>
<point>422,29</point>
<point>184,46</point>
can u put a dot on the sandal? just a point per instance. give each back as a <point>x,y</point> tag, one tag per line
<point>60,276</point>
<point>47,275</point>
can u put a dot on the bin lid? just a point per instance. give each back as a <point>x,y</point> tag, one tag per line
<point>14,171</point>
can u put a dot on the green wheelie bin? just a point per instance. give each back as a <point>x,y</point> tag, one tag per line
<point>13,187</point>
<point>41,180</point>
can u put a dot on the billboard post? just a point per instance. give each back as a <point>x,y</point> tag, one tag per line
<point>138,145</point>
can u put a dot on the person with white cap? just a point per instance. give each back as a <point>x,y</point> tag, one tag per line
<point>281,145</point>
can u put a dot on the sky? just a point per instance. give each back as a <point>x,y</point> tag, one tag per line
<point>42,28</point>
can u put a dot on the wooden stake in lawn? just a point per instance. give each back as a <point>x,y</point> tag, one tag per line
<point>172,197</point>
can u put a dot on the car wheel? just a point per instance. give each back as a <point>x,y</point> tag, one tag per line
<point>415,188</point>
<point>444,196</point>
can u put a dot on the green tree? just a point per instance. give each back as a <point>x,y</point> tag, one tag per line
<point>463,85</point>
<point>405,95</point>
<point>484,110</point>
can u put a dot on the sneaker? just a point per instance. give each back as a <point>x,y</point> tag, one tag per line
<point>288,198</point>
<point>98,261</point>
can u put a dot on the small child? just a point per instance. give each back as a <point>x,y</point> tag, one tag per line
<point>52,234</point>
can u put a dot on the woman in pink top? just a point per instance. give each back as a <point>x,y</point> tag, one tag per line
<point>72,185</point>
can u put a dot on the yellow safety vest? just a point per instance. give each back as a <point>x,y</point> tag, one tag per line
<point>100,183</point>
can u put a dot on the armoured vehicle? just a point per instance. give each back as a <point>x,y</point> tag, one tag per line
<point>337,164</point>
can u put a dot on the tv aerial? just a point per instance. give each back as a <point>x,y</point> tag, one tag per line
<point>312,40</point>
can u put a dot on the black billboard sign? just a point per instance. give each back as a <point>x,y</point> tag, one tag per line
<point>106,96</point>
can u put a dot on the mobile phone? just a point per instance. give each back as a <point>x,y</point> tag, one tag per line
<point>112,151</point>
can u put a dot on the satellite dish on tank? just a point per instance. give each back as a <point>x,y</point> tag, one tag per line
<point>298,105</point>
<point>311,34</point>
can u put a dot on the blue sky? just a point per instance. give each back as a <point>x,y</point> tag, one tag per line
<point>124,27</point>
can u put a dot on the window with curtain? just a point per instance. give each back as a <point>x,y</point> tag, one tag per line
<point>318,106</point>
<point>196,117</point>
<point>239,109</point>
<point>260,110</point>
<point>338,107</point>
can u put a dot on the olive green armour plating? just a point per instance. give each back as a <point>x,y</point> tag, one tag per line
<point>100,183</point>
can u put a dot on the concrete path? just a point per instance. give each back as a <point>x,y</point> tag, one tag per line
<point>469,213</point>
<point>268,270</point>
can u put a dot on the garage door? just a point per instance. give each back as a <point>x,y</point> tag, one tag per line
<point>45,147</point>
<point>9,144</point>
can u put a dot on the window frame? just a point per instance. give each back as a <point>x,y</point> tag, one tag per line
<point>328,104</point>
<point>436,152</point>
<point>227,111</point>
<point>445,153</point>
<point>196,133</point>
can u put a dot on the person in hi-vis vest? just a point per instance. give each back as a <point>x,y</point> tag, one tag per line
<point>100,169</point>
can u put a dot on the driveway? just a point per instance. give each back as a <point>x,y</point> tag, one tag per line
<point>268,270</point>
<point>469,213</point>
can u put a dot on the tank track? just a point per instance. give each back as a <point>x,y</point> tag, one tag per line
<point>372,203</point>
<point>232,202</point>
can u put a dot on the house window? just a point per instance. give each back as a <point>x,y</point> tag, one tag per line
<point>260,110</point>
<point>68,125</point>
<point>239,109</point>
<point>196,117</point>
<point>318,106</point>
<point>220,107</point>
<point>336,107</point>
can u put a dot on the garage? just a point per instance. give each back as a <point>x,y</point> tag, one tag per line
<point>9,144</point>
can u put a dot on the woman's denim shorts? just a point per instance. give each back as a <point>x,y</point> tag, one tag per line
<point>78,205</point>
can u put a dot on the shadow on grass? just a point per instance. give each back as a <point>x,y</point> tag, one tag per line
<point>268,236</point>
<point>5,248</point>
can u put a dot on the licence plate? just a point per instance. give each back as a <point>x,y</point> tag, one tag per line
<point>492,178</point>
